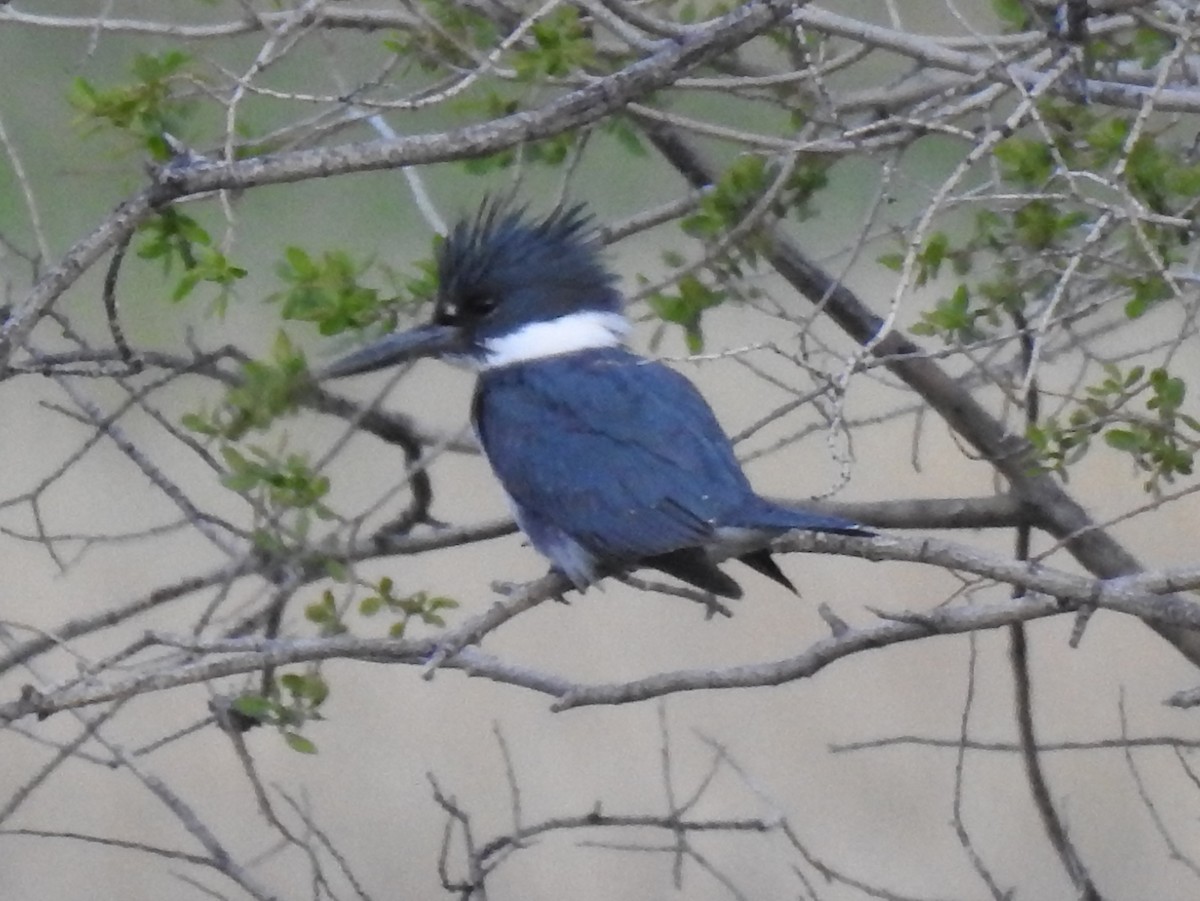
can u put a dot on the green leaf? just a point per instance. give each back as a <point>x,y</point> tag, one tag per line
<point>292,682</point>
<point>234,459</point>
<point>1107,137</point>
<point>370,606</point>
<point>687,307</point>
<point>318,613</point>
<point>298,742</point>
<point>953,318</point>
<point>1151,46</point>
<point>159,100</point>
<point>1039,223</point>
<point>310,687</point>
<point>336,570</point>
<point>198,423</point>
<point>1148,290</point>
<point>1025,161</point>
<point>1122,439</point>
<point>893,261</point>
<point>1011,14</point>
<point>563,46</point>
<point>1168,392</point>
<point>327,291</point>
<point>929,259</point>
<point>254,706</point>
<point>627,136</point>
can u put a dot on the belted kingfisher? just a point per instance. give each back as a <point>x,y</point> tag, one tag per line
<point>611,461</point>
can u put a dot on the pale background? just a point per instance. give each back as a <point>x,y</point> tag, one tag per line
<point>881,815</point>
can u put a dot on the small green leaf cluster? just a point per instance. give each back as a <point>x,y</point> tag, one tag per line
<point>294,699</point>
<point>1157,443</point>
<point>685,306</point>
<point>973,311</point>
<point>421,606</point>
<point>279,482</point>
<point>1163,179</point>
<point>1162,176</point>
<point>561,46</point>
<point>173,236</point>
<point>326,616</point>
<point>741,184</point>
<point>333,291</point>
<point>285,491</point>
<point>1162,441</point>
<point>290,701</point>
<point>326,291</point>
<point>930,257</point>
<point>1024,250</point>
<point>1027,162</point>
<point>953,318</point>
<point>460,29</point>
<point>1021,245</point>
<point>1147,45</point>
<point>719,210</point>
<point>267,391</point>
<point>1145,290</point>
<point>1012,14</point>
<point>1144,45</point>
<point>1040,225</point>
<point>146,108</point>
<point>963,315</point>
<point>283,488</point>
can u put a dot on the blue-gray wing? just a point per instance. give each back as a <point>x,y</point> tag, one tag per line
<point>621,454</point>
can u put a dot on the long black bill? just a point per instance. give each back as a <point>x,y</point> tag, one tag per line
<point>424,341</point>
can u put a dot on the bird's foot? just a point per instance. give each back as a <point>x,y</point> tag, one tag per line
<point>508,589</point>
<point>711,603</point>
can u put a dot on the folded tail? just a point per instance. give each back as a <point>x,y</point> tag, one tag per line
<point>763,514</point>
<point>694,566</point>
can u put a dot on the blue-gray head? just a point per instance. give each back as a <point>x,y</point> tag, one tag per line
<point>510,289</point>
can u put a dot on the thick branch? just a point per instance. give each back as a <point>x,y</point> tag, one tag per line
<point>1055,592</point>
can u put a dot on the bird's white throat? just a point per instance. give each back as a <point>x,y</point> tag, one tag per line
<point>585,330</point>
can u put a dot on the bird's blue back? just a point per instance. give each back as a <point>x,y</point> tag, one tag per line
<point>620,454</point>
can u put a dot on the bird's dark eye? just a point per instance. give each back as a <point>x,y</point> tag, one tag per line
<point>479,304</point>
<point>464,308</point>
<point>446,314</point>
